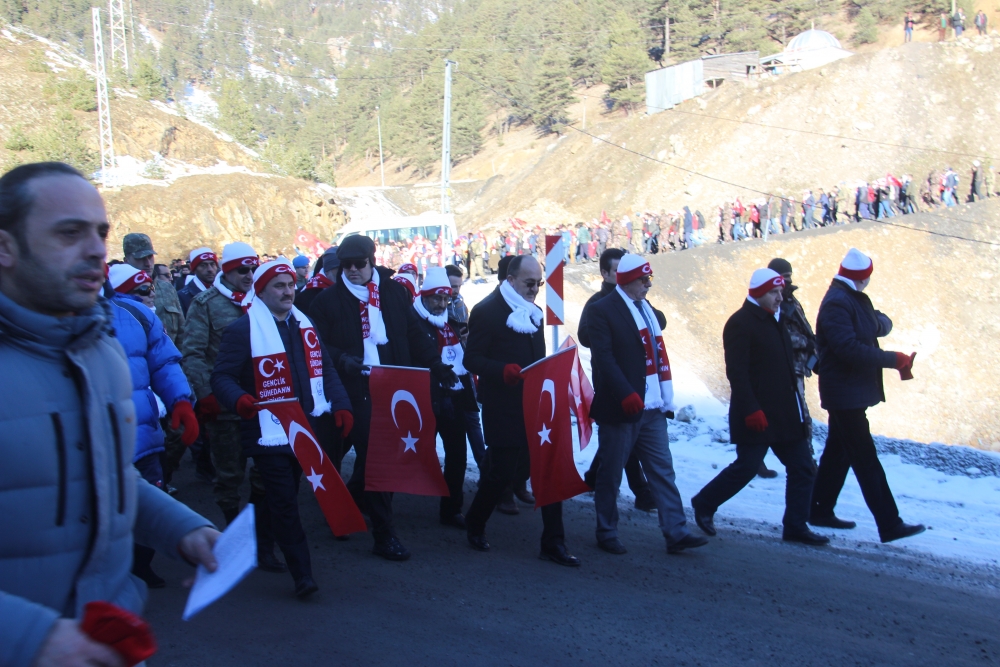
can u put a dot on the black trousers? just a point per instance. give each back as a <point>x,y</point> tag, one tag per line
<point>502,466</point>
<point>451,428</point>
<point>378,505</point>
<point>850,446</point>
<point>800,473</point>
<point>280,474</point>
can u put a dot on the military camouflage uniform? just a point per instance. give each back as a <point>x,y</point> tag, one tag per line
<point>168,309</point>
<point>803,345</point>
<point>208,316</point>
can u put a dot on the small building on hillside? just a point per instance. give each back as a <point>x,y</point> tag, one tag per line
<point>669,86</point>
<point>730,67</point>
<point>809,50</point>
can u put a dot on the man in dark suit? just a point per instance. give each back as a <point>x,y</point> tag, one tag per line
<point>236,386</point>
<point>765,411</point>
<point>633,390</point>
<point>367,319</point>
<point>506,335</point>
<point>633,469</point>
<point>850,381</point>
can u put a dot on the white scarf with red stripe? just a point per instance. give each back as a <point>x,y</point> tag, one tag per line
<point>659,382</point>
<point>272,373</point>
<point>448,342</point>
<point>236,297</point>
<point>372,325</point>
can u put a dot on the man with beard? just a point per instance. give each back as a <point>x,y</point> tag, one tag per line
<point>367,319</point>
<point>210,313</point>
<point>454,401</point>
<point>637,481</point>
<point>204,266</point>
<point>243,378</point>
<point>505,335</point>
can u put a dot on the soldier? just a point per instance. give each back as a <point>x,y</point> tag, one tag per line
<point>204,266</point>
<point>210,313</point>
<point>138,249</point>
<point>476,258</point>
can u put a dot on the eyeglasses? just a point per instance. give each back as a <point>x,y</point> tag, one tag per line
<point>143,290</point>
<point>532,284</point>
<point>647,280</point>
<point>243,270</point>
<point>439,297</point>
<point>354,264</point>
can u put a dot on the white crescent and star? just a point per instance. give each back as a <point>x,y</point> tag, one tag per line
<point>549,387</point>
<point>315,479</point>
<point>409,443</point>
<point>277,366</point>
<point>293,432</point>
<point>544,435</point>
<point>310,338</point>
<point>407,397</point>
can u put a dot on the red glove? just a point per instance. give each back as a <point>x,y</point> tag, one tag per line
<point>344,421</point>
<point>757,422</point>
<point>184,414</point>
<point>246,407</point>
<point>632,404</point>
<point>904,364</point>
<point>511,374</point>
<point>122,630</point>
<point>209,408</point>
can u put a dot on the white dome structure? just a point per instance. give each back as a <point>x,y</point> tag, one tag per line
<point>808,50</point>
<point>812,40</point>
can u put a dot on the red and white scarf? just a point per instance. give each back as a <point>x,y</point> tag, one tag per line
<point>372,325</point>
<point>659,382</point>
<point>319,281</point>
<point>449,344</point>
<point>272,373</point>
<point>235,297</point>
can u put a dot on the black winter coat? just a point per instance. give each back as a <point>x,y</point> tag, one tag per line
<point>850,362</point>
<point>336,315</point>
<point>583,335</point>
<point>444,397</point>
<point>233,376</point>
<point>492,345</point>
<point>187,294</point>
<point>618,360</point>
<point>761,374</point>
<point>305,297</point>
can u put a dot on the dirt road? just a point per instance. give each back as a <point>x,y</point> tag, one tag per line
<point>744,599</point>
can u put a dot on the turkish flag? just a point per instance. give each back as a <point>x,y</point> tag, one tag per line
<point>309,243</point>
<point>550,437</point>
<point>331,494</point>
<point>402,447</point>
<point>581,395</point>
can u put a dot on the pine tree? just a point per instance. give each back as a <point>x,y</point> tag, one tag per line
<point>553,92</point>
<point>148,81</point>
<point>235,115</point>
<point>865,27</point>
<point>625,63</point>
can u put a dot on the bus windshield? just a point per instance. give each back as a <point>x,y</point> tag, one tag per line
<point>404,234</point>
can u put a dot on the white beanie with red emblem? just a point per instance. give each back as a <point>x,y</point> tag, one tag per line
<point>763,281</point>
<point>436,282</point>
<point>238,254</point>
<point>125,278</point>
<point>199,255</point>
<point>856,265</point>
<point>632,267</point>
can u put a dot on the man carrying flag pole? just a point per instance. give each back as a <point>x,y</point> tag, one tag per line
<point>505,335</point>
<point>269,355</point>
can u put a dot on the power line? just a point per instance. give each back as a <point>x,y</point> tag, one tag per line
<point>719,180</point>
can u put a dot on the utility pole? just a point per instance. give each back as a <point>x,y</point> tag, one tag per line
<point>381,167</point>
<point>446,140</point>
<point>119,45</point>
<point>131,27</point>
<point>103,108</point>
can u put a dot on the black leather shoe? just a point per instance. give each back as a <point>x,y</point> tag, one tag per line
<point>705,520</point>
<point>525,496</point>
<point>456,520</point>
<point>560,556</point>
<point>305,587</point>
<point>902,530</point>
<point>766,473</point>
<point>268,562</point>
<point>613,546</point>
<point>832,522</point>
<point>686,542</point>
<point>508,507</point>
<point>807,537</point>
<point>645,503</point>
<point>391,549</point>
<point>478,542</point>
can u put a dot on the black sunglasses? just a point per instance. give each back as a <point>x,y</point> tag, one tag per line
<point>143,290</point>
<point>243,270</point>
<point>354,263</point>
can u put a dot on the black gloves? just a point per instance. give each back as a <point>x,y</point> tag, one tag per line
<point>353,366</point>
<point>442,373</point>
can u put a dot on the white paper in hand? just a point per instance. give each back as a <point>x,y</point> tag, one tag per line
<point>236,553</point>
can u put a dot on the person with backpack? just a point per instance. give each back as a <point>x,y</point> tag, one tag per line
<point>958,22</point>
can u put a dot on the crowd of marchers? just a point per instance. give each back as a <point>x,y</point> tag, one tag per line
<point>117,374</point>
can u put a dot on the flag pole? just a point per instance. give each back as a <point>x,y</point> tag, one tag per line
<point>276,400</point>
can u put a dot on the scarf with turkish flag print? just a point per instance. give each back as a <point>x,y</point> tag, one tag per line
<point>370,307</point>
<point>236,297</point>
<point>449,344</point>
<point>659,381</point>
<point>581,394</point>
<point>319,281</point>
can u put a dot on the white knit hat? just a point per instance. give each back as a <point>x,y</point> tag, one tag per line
<point>125,278</point>
<point>436,282</point>
<point>238,254</point>
<point>763,281</point>
<point>632,267</point>
<point>199,255</point>
<point>856,265</point>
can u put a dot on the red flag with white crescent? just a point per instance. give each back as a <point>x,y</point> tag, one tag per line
<point>546,404</point>
<point>332,495</point>
<point>309,243</point>
<point>402,446</point>
<point>581,395</point>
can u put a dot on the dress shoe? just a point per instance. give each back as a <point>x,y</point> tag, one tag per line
<point>171,490</point>
<point>766,473</point>
<point>644,502</point>
<point>525,496</point>
<point>902,530</point>
<point>686,542</point>
<point>806,537</point>
<point>560,556</point>
<point>268,562</point>
<point>478,542</point>
<point>613,546</point>
<point>391,549</point>
<point>456,520</point>
<point>832,522</point>
<point>508,507</point>
<point>705,520</point>
<point>305,587</point>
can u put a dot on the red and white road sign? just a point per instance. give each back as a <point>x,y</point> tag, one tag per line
<point>555,255</point>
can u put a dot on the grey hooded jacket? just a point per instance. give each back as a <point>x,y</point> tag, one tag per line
<point>70,501</point>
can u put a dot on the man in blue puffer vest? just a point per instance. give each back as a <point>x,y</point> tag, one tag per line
<point>154,362</point>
